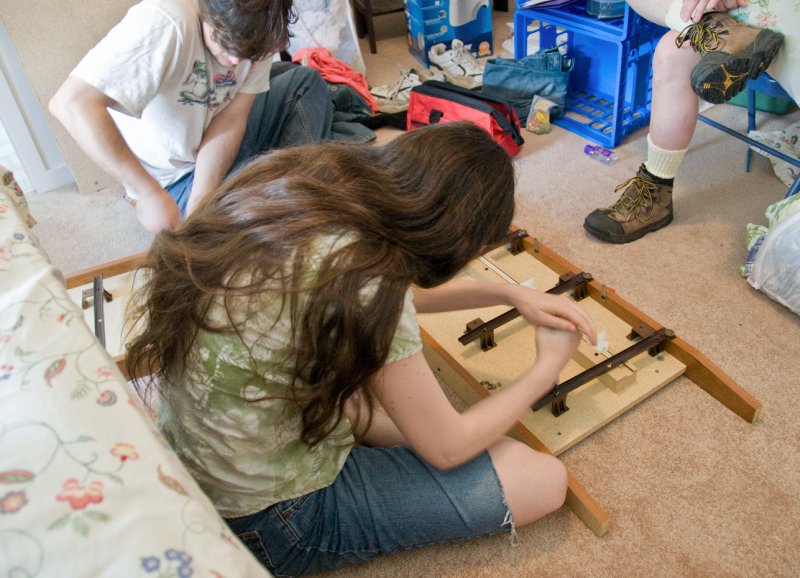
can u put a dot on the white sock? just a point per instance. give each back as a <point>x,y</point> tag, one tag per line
<point>662,163</point>
<point>673,18</point>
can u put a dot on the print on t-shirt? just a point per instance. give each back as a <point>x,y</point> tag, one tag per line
<point>199,92</point>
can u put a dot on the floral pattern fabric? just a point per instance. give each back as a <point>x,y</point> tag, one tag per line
<point>87,485</point>
<point>784,17</point>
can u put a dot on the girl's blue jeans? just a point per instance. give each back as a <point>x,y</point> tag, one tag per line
<point>545,73</point>
<point>383,500</point>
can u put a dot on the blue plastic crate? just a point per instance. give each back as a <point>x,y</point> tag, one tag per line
<point>610,86</point>
<point>574,16</point>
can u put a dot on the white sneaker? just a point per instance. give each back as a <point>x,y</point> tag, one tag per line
<point>394,97</point>
<point>458,64</point>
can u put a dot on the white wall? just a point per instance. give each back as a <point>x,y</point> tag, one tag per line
<point>26,125</point>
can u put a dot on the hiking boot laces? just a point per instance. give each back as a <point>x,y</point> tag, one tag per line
<point>628,205</point>
<point>704,36</point>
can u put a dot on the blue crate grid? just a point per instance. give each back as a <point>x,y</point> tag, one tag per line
<point>574,16</point>
<point>611,84</point>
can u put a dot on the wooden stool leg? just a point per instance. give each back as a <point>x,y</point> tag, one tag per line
<point>368,16</point>
<point>361,24</point>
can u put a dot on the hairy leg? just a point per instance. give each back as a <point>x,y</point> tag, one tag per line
<point>675,105</point>
<point>534,483</point>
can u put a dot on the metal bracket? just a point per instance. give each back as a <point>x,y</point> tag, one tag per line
<point>96,297</point>
<point>652,341</point>
<point>579,283</point>
<point>88,297</point>
<point>515,245</point>
<point>484,331</point>
<point>474,332</point>
<point>513,241</point>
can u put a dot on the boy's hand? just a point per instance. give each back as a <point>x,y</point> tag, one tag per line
<point>157,212</point>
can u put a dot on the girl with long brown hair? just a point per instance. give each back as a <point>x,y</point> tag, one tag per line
<point>284,307</point>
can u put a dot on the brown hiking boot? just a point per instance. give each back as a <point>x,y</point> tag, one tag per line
<point>645,205</point>
<point>731,54</point>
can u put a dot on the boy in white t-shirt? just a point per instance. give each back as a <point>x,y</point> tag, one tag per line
<point>179,92</point>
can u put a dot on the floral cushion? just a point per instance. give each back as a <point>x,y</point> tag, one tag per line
<point>87,485</point>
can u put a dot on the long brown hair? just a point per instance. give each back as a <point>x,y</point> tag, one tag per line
<point>419,208</point>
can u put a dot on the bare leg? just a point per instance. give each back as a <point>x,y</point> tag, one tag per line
<point>646,201</point>
<point>675,105</point>
<point>534,483</point>
<point>713,65</point>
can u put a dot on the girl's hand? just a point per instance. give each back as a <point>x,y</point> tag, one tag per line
<point>552,311</point>
<point>554,348</point>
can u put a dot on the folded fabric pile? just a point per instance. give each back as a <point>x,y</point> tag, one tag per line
<point>544,74</point>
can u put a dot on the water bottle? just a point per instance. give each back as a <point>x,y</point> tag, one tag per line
<point>602,154</point>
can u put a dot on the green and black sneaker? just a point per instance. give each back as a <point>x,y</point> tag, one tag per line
<point>644,206</point>
<point>731,54</point>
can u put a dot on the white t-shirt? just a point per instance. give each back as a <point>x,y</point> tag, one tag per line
<point>155,64</point>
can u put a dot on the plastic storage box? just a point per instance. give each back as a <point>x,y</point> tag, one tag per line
<point>765,102</point>
<point>574,15</point>
<point>611,84</point>
<point>605,9</point>
<point>432,22</point>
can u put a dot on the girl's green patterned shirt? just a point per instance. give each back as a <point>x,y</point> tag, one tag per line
<point>227,416</point>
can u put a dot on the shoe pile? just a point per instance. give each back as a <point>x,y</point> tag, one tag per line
<point>457,64</point>
<point>393,98</point>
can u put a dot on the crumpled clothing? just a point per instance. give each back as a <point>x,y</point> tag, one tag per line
<point>545,74</point>
<point>335,71</point>
<point>350,112</point>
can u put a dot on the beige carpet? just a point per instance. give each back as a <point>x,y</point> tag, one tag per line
<point>692,489</point>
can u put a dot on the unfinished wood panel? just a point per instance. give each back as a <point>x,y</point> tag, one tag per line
<point>701,370</point>
<point>583,505</point>
<point>117,267</point>
<point>591,406</point>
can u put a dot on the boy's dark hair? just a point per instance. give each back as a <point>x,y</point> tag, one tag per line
<point>253,29</point>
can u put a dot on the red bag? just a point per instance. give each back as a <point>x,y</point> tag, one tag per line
<point>434,102</point>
